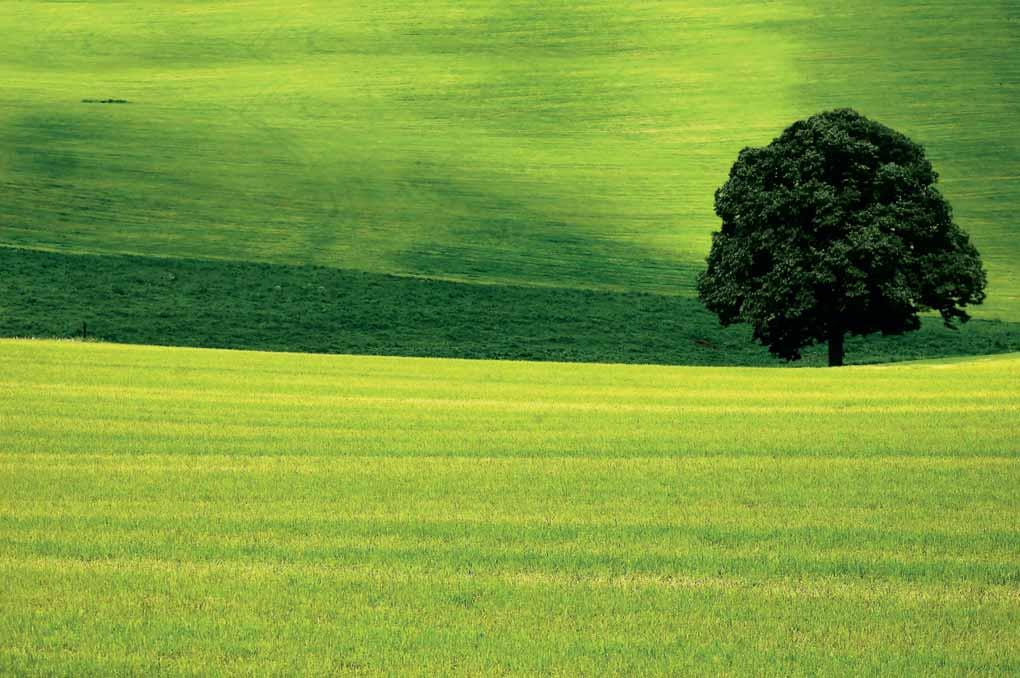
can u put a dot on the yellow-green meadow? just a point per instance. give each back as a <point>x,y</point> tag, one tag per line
<point>484,425</point>
<point>198,511</point>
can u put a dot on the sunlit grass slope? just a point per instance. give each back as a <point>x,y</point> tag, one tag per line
<point>172,510</point>
<point>539,143</point>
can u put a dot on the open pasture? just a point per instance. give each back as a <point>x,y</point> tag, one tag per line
<point>527,142</point>
<point>186,511</point>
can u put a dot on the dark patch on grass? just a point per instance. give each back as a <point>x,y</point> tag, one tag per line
<point>323,310</point>
<point>494,235</point>
<point>105,101</point>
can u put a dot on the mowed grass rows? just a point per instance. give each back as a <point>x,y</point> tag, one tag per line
<point>527,142</point>
<point>192,511</point>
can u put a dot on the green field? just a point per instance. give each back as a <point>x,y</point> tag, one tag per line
<point>526,180</point>
<point>525,143</point>
<point>145,300</point>
<point>196,511</point>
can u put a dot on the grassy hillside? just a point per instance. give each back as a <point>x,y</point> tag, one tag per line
<point>526,142</point>
<point>178,302</point>
<point>171,510</point>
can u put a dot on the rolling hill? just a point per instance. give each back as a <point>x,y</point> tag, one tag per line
<point>516,180</point>
<point>526,144</point>
<point>178,511</point>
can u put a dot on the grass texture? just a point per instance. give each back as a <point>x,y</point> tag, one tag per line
<point>178,302</point>
<point>531,142</point>
<point>194,511</point>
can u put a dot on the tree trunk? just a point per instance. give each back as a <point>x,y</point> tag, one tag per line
<point>836,348</point>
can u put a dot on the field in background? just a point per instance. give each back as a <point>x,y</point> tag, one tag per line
<point>169,509</point>
<point>526,142</point>
<point>223,304</point>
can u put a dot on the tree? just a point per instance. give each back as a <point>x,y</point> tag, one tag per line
<point>836,227</point>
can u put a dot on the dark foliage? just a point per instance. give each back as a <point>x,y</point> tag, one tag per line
<point>836,228</point>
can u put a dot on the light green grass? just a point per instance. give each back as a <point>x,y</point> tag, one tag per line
<point>542,143</point>
<point>193,511</point>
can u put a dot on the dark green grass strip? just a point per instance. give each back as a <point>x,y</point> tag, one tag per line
<point>315,309</point>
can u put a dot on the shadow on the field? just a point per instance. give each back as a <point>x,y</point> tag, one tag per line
<point>314,309</point>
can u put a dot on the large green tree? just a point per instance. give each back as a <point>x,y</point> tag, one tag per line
<point>836,228</point>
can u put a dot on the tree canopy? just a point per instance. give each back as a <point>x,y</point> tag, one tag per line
<point>836,228</point>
